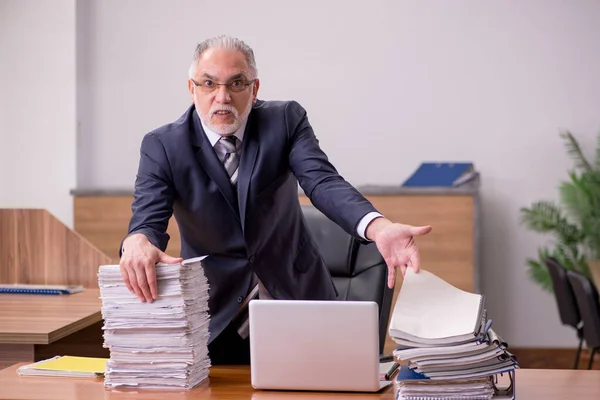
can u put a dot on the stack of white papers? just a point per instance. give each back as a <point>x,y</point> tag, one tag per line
<point>431,312</point>
<point>473,389</point>
<point>444,334</point>
<point>162,344</point>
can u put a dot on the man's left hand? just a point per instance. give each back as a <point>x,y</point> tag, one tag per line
<point>396,244</point>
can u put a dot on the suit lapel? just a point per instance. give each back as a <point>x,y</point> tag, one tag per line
<point>208,159</point>
<point>247,161</point>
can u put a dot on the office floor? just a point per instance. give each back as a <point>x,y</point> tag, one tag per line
<point>553,358</point>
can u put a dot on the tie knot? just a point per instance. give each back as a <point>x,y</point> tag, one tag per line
<point>229,143</point>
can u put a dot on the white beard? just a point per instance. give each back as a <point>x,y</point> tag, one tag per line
<point>226,129</point>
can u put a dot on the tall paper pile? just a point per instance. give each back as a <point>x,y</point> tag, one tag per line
<point>446,338</point>
<point>162,344</point>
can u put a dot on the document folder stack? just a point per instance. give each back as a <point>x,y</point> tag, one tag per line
<point>161,344</point>
<point>451,349</point>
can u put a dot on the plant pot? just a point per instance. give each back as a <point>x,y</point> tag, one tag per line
<point>594,266</point>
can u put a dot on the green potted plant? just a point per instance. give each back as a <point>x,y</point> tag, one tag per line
<point>574,222</point>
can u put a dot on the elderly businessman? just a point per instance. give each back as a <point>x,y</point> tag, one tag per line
<point>228,169</point>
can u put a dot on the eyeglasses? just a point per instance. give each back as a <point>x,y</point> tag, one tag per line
<point>235,86</point>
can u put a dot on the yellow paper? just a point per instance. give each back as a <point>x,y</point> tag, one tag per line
<point>73,364</point>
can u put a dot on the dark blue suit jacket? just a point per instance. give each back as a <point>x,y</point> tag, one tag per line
<point>258,227</point>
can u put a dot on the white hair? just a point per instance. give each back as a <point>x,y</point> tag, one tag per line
<point>224,42</point>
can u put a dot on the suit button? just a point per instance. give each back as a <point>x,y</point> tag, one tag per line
<point>251,259</point>
<point>240,299</point>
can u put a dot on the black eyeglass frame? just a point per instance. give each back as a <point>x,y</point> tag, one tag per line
<point>228,86</point>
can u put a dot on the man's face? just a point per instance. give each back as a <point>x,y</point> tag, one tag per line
<point>223,108</point>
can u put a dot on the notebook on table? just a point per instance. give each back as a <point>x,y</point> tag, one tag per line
<point>22,288</point>
<point>431,312</point>
<point>413,385</point>
<point>68,366</point>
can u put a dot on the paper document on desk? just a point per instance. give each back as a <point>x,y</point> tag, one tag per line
<point>431,312</point>
<point>451,349</point>
<point>162,344</point>
<point>79,367</point>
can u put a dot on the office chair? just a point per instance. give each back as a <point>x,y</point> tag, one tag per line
<point>358,270</point>
<point>566,301</point>
<point>587,301</point>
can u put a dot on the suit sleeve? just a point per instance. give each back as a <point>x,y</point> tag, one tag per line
<point>154,194</point>
<point>328,191</point>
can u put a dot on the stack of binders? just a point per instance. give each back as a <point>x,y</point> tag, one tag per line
<point>162,344</point>
<point>446,338</point>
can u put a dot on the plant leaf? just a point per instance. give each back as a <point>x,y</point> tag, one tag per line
<point>574,150</point>
<point>597,161</point>
<point>574,222</point>
<point>546,217</point>
<point>581,199</point>
<point>538,272</point>
<point>541,216</point>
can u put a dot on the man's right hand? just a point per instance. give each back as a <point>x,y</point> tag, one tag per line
<point>138,266</point>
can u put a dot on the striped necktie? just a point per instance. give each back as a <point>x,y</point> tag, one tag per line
<point>231,161</point>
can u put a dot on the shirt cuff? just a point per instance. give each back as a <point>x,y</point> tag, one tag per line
<point>364,222</point>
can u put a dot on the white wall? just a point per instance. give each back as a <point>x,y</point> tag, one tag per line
<point>386,86</point>
<point>37,105</point>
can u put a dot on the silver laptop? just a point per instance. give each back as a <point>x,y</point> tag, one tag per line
<point>314,345</point>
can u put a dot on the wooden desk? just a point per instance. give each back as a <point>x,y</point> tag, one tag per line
<point>33,327</point>
<point>227,383</point>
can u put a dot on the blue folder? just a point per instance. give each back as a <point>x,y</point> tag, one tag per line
<point>441,174</point>
<point>407,374</point>
<point>17,288</point>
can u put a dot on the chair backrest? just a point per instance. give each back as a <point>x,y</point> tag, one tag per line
<point>358,270</point>
<point>587,300</point>
<point>563,293</point>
